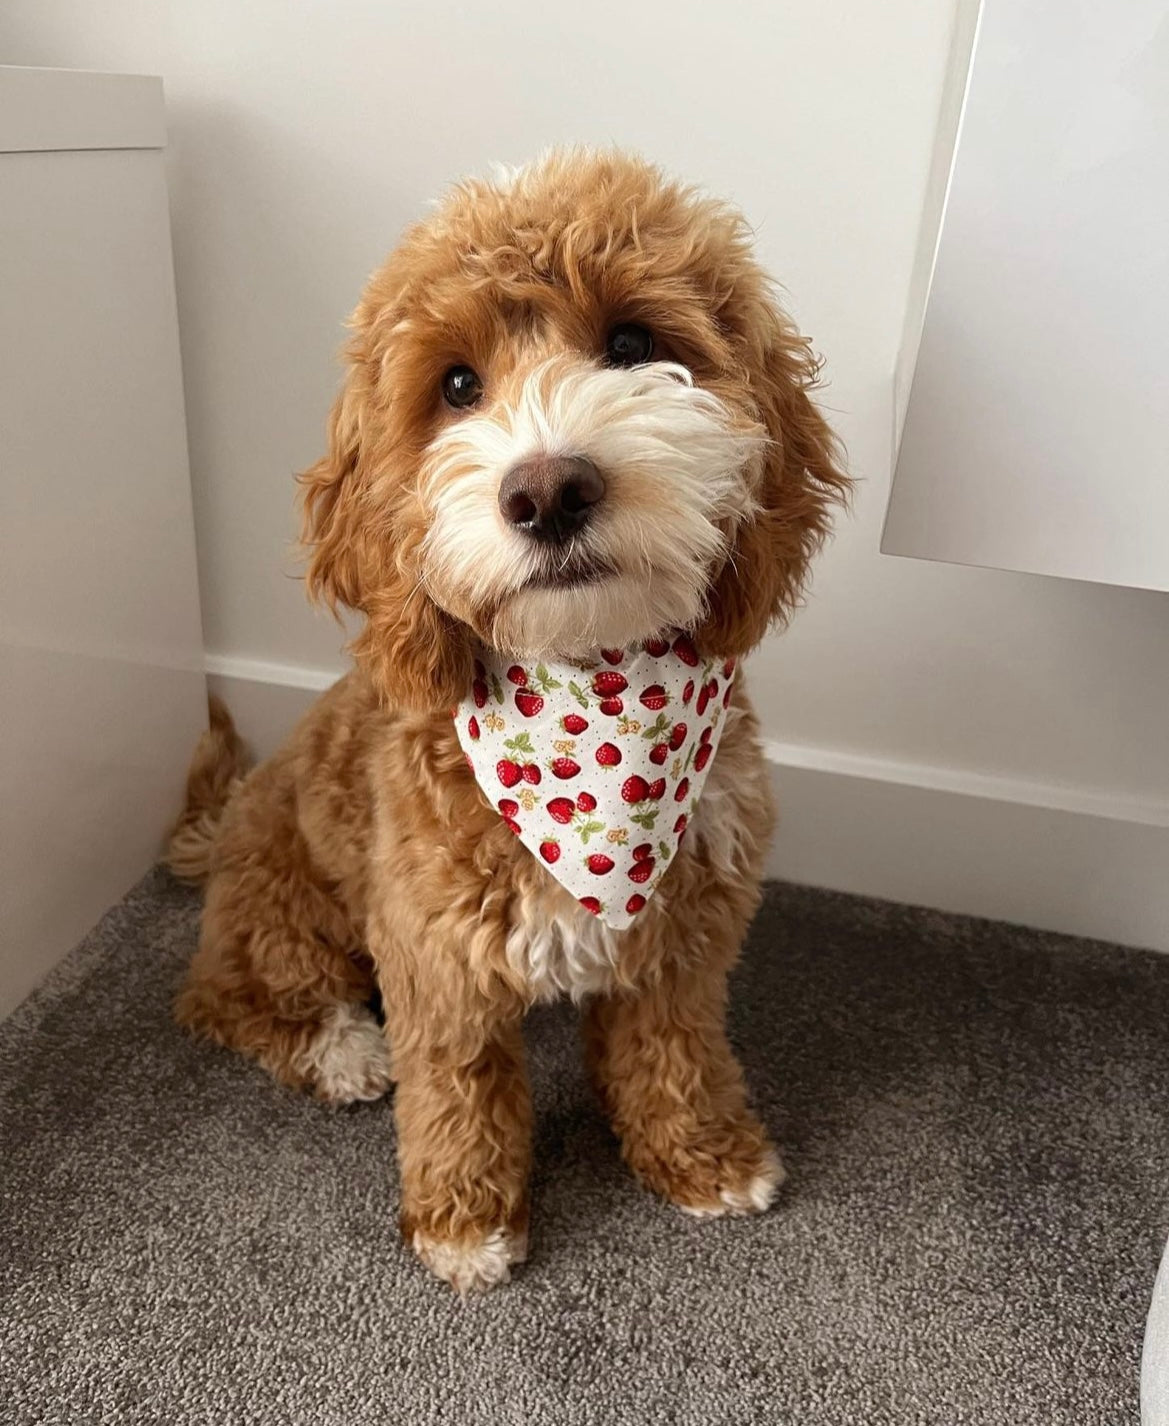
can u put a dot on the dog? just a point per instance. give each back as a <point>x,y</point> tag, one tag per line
<point>574,419</point>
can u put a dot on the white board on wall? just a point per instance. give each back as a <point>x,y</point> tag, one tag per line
<point>1037,431</point>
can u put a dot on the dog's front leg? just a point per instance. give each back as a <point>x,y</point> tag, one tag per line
<point>675,1093</point>
<point>463,1116</point>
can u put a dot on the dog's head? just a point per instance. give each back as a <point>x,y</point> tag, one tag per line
<point>574,417</point>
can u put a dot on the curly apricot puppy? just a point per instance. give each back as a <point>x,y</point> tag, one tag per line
<point>607,334</point>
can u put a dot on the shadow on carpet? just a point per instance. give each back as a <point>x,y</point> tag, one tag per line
<point>973,1117</point>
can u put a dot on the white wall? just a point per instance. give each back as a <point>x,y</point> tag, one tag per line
<point>304,135</point>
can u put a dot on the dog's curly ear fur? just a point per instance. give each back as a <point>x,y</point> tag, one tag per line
<point>802,480</point>
<point>417,655</point>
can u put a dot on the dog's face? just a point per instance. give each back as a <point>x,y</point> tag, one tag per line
<point>574,418</point>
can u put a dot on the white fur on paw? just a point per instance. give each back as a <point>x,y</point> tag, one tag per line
<point>755,1197</point>
<point>348,1057</point>
<point>472,1267</point>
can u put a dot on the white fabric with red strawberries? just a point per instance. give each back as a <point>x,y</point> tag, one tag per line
<point>597,768</point>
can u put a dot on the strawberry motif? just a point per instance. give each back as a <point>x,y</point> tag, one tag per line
<point>529,704</point>
<point>608,682</point>
<point>727,695</point>
<point>686,651</point>
<point>560,809</point>
<point>649,715</point>
<point>634,789</point>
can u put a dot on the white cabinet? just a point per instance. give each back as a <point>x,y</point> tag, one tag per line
<point>1038,424</point>
<point>101,685</point>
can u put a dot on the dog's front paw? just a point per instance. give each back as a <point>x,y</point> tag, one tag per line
<point>739,1189</point>
<point>474,1262</point>
<point>734,1174</point>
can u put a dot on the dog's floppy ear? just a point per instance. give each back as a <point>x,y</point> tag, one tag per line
<point>363,534</point>
<point>802,480</point>
<point>330,530</point>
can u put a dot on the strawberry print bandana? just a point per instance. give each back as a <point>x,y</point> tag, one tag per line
<point>597,768</point>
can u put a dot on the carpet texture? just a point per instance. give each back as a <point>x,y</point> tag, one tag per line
<point>973,1116</point>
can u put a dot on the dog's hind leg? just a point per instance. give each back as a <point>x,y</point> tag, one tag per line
<point>279,974</point>
<point>287,999</point>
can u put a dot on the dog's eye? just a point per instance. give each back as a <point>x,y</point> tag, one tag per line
<point>461,387</point>
<point>629,344</point>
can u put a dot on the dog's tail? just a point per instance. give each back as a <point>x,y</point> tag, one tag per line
<point>218,767</point>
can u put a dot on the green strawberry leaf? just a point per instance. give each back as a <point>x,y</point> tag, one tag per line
<point>545,679</point>
<point>689,759</point>
<point>575,689</point>
<point>496,688</point>
<point>588,829</point>
<point>666,853</point>
<point>521,743</point>
<point>661,726</point>
<point>645,819</point>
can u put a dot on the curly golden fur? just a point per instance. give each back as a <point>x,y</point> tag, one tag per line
<point>364,854</point>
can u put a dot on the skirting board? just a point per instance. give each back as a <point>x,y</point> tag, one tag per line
<point>1056,858</point>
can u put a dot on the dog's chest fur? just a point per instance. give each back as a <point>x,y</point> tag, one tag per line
<point>560,949</point>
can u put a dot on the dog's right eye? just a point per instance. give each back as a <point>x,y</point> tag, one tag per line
<point>461,387</point>
<point>629,344</point>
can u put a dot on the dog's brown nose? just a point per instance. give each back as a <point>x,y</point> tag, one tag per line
<point>550,497</point>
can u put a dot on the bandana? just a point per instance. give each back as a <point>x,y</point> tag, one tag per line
<point>597,768</point>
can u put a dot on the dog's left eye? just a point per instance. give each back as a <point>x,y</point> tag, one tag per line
<point>629,344</point>
<point>461,387</point>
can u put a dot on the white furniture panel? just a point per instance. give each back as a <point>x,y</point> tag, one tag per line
<point>101,687</point>
<point>1035,437</point>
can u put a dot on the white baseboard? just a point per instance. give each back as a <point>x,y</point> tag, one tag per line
<point>1060,858</point>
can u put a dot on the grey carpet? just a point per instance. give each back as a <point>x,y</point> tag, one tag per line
<point>973,1116</point>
